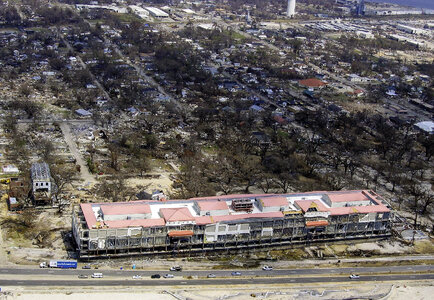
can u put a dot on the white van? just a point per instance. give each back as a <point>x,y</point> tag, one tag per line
<point>97,275</point>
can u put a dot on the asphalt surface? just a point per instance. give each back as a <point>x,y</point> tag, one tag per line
<point>223,273</point>
<point>195,282</point>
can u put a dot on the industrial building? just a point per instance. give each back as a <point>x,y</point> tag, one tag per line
<point>157,13</point>
<point>235,223</point>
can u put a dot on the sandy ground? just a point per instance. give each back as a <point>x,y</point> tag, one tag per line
<point>417,291</point>
<point>94,296</point>
<point>163,183</point>
<point>411,292</point>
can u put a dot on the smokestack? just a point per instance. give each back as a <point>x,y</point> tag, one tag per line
<point>290,12</point>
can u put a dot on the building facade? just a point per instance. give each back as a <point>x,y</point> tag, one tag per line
<point>227,223</point>
<point>41,177</point>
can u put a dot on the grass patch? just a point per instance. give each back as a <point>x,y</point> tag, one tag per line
<point>424,247</point>
<point>290,254</point>
<point>128,18</point>
<point>211,150</point>
<point>160,163</point>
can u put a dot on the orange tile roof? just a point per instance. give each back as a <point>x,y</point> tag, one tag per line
<point>347,197</point>
<point>312,82</point>
<point>277,214</point>
<point>176,214</point>
<point>125,208</point>
<point>273,201</point>
<point>316,223</point>
<point>212,205</point>
<point>135,223</point>
<point>203,220</point>
<point>180,233</point>
<point>306,204</point>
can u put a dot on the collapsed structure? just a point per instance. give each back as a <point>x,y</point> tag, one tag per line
<point>232,222</point>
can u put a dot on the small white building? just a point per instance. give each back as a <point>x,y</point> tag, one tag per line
<point>426,126</point>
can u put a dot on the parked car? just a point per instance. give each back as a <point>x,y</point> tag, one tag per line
<point>267,268</point>
<point>176,268</point>
<point>354,276</point>
<point>86,267</point>
<point>137,277</point>
<point>211,276</point>
<point>168,276</point>
<point>236,273</point>
<point>155,276</point>
<point>82,276</point>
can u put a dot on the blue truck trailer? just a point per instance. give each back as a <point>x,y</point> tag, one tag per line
<point>61,264</point>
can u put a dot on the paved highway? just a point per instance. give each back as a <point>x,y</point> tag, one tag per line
<point>224,273</point>
<point>194,282</point>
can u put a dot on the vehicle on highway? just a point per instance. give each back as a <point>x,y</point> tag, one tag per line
<point>61,264</point>
<point>86,267</point>
<point>267,268</point>
<point>97,275</point>
<point>137,277</point>
<point>82,276</point>
<point>155,276</point>
<point>354,276</point>
<point>168,276</point>
<point>176,268</point>
<point>236,273</point>
<point>211,276</point>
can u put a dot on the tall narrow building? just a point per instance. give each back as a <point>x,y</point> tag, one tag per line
<point>290,12</point>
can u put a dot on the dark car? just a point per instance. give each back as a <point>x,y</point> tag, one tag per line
<point>155,276</point>
<point>86,267</point>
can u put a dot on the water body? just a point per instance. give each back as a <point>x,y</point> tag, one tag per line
<point>429,4</point>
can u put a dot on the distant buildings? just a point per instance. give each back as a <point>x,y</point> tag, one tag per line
<point>312,83</point>
<point>224,223</point>
<point>425,126</point>
<point>290,11</point>
<point>360,9</point>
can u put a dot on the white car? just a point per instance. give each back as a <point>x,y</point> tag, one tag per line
<point>168,276</point>
<point>137,277</point>
<point>267,268</point>
<point>97,275</point>
<point>354,276</point>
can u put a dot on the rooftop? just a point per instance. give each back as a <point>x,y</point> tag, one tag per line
<point>158,212</point>
<point>125,208</point>
<point>176,214</point>
<point>212,205</point>
<point>348,197</point>
<point>312,82</point>
<point>40,171</point>
<point>273,201</point>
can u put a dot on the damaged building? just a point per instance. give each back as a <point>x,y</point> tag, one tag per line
<point>227,223</point>
<point>41,182</point>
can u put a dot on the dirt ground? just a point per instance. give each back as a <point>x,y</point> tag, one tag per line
<point>414,291</point>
